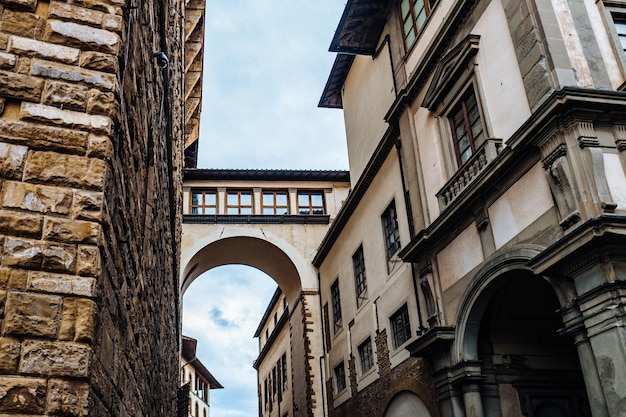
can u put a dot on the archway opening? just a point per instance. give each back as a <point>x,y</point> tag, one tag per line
<point>406,404</point>
<point>530,367</point>
<point>221,310</point>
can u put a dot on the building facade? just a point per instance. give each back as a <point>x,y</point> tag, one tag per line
<point>197,379</point>
<point>273,365</point>
<point>477,267</point>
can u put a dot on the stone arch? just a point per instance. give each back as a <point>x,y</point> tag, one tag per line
<point>251,247</point>
<point>406,403</point>
<point>482,287</point>
<point>410,385</point>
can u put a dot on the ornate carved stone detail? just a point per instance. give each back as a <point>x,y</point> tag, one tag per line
<point>586,134</point>
<point>481,217</point>
<point>619,132</point>
<point>552,147</point>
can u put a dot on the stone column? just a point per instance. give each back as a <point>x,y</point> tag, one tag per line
<point>473,400</point>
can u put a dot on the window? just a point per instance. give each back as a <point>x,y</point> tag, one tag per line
<point>620,28</point>
<point>400,326</point>
<point>414,15</point>
<point>359,276</point>
<point>466,126</point>
<point>203,202</point>
<point>275,202</point>
<point>390,230</point>
<point>340,377</point>
<point>283,362</point>
<point>366,356</point>
<point>310,202</point>
<point>336,303</point>
<point>239,202</point>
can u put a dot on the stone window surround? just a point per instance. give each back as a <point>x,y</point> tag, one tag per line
<point>391,232</point>
<point>609,9</point>
<point>400,335</point>
<point>360,278</point>
<point>366,356</point>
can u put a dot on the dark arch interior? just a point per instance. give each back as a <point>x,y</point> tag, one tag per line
<point>529,366</point>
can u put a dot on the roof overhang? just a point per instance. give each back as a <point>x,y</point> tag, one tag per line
<point>266,175</point>
<point>188,352</point>
<point>360,27</point>
<point>331,97</point>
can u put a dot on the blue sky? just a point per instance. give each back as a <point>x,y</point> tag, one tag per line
<point>266,64</point>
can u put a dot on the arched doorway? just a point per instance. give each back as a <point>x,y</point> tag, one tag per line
<point>530,370</point>
<point>406,404</point>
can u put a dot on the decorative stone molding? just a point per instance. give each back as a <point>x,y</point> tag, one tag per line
<point>619,132</point>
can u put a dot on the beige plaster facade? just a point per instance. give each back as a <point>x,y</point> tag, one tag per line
<point>272,220</point>
<point>496,128</point>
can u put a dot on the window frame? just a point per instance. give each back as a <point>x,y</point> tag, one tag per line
<point>311,207</point>
<point>203,206</point>
<point>404,330</point>
<point>460,103</point>
<point>342,368</point>
<point>360,277</point>
<point>275,206</point>
<point>239,206</point>
<point>428,7</point>
<point>335,302</point>
<point>366,356</point>
<point>609,9</point>
<point>391,236</point>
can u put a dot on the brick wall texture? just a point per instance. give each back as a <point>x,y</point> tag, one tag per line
<point>91,137</point>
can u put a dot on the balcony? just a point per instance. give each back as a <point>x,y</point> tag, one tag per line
<point>469,171</point>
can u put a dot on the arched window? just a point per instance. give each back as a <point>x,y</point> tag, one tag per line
<point>204,413</point>
<point>197,413</point>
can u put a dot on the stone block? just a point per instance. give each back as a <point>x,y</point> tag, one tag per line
<point>26,4</point>
<point>37,198</point>
<point>7,61</point>
<point>55,358</point>
<point>99,102</point>
<point>15,279</point>
<point>98,61</point>
<point>71,231</point>
<point>59,257</point>
<point>111,7</point>
<point>68,398</point>
<point>88,262</point>
<point>65,118</point>
<point>24,24</point>
<point>31,47</point>
<point>9,354</point>
<point>12,159</point>
<point>31,314</point>
<point>99,147</point>
<point>23,395</point>
<point>87,205</point>
<point>70,73</point>
<point>111,22</point>
<point>78,320</point>
<point>23,66</point>
<point>85,37</point>
<point>61,284</point>
<point>66,170</point>
<point>41,137</point>
<point>20,224</point>
<point>20,86</point>
<point>71,12</point>
<point>65,95</point>
<point>22,253</point>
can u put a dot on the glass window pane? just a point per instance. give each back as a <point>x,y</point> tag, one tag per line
<point>233,199</point>
<point>303,200</point>
<point>466,155</point>
<point>246,210</point>
<point>281,199</point>
<point>196,199</point>
<point>282,211</point>
<point>405,7</point>
<point>232,210</point>
<point>209,210</point>
<point>317,200</point>
<point>246,199</point>
<point>268,210</point>
<point>410,38</point>
<point>318,211</point>
<point>268,199</point>
<point>210,199</point>
<point>421,19</point>
<point>620,27</point>
<point>195,210</point>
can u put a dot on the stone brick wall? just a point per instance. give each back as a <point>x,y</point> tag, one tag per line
<point>91,140</point>
<point>413,374</point>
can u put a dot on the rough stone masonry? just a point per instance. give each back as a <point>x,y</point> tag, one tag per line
<point>91,147</point>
